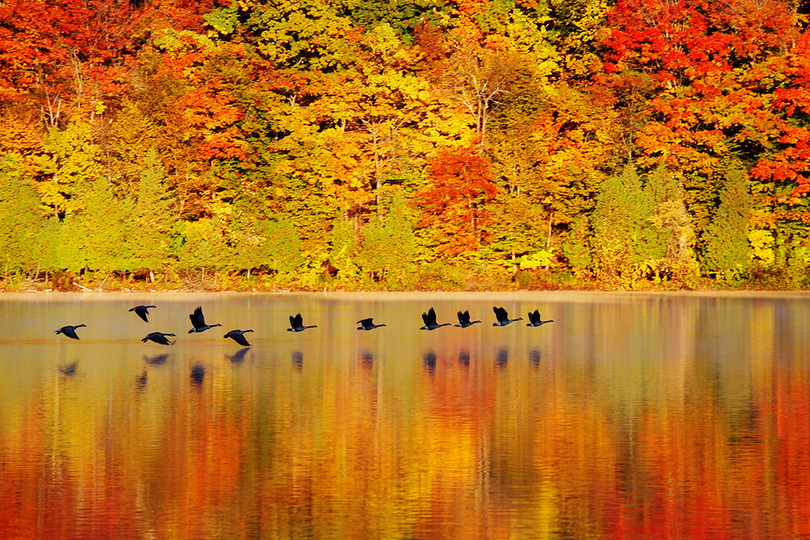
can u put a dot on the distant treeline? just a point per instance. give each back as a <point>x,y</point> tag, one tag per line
<point>401,145</point>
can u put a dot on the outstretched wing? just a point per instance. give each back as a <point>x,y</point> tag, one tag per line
<point>142,312</point>
<point>197,318</point>
<point>534,318</point>
<point>500,314</point>
<point>431,317</point>
<point>297,321</point>
<point>366,322</point>
<point>426,319</point>
<point>239,338</point>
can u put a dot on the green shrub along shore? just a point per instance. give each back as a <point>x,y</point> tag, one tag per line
<point>641,239</point>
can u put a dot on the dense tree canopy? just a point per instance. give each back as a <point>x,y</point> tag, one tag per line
<point>426,143</point>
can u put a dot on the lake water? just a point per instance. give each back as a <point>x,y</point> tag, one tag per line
<point>633,416</point>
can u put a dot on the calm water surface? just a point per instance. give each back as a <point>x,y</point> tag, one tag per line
<point>635,416</point>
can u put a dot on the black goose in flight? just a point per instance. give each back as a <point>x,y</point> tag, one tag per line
<point>429,319</point>
<point>69,331</point>
<point>158,337</point>
<point>534,319</point>
<point>297,324</point>
<point>368,324</point>
<point>198,321</point>
<point>237,336</point>
<point>503,317</point>
<point>464,319</point>
<point>142,311</point>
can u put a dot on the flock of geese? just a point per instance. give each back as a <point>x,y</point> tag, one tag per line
<point>198,325</point>
<point>297,324</point>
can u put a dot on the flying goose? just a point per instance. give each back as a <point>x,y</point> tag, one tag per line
<point>503,317</point>
<point>237,336</point>
<point>69,331</point>
<point>142,312</point>
<point>198,321</point>
<point>429,319</point>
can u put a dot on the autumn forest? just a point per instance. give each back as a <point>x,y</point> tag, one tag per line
<point>396,145</point>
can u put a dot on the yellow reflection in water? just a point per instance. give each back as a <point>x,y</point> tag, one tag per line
<point>658,416</point>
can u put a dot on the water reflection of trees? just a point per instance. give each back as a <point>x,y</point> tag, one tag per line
<point>607,440</point>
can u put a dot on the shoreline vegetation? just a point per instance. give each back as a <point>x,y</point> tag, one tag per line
<point>258,283</point>
<point>411,145</point>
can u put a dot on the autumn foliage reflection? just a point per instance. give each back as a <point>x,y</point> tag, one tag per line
<point>707,437</point>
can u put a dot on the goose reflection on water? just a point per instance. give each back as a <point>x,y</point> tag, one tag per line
<point>501,358</point>
<point>297,361</point>
<point>367,359</point>
<point>69,369</point>
<point>197,374</point>
<point>157,360</point>
<point>140,381</point>
<point>464,357</point>
<point>534,357</point>
<point>238,356</point>
<point>429,361</point>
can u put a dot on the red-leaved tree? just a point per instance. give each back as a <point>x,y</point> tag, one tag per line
<point>453,203</point>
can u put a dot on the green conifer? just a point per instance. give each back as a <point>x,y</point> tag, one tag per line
<point>152,218</point>
<point>727,248</point>
<point>622,229</point>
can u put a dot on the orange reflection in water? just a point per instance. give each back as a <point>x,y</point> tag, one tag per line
<point>685,418</point>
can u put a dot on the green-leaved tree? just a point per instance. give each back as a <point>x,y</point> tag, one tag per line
<point>621,226</point>
<point>727,249</point>
<point>21,225</point>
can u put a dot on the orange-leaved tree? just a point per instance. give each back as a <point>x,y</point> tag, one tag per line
<point>454,216</point>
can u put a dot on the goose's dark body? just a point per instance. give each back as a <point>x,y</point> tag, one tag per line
<point>503,317</point>
<point>368,324</point>
<point>198,321</point>
<point>237,336</point>
<point>158,337</point>
<point>429,319</point>
<point>70,331</point>
<point>464,319</point>
<point>142,312</point>
<point>297,324</point>
<point>534,319</point>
